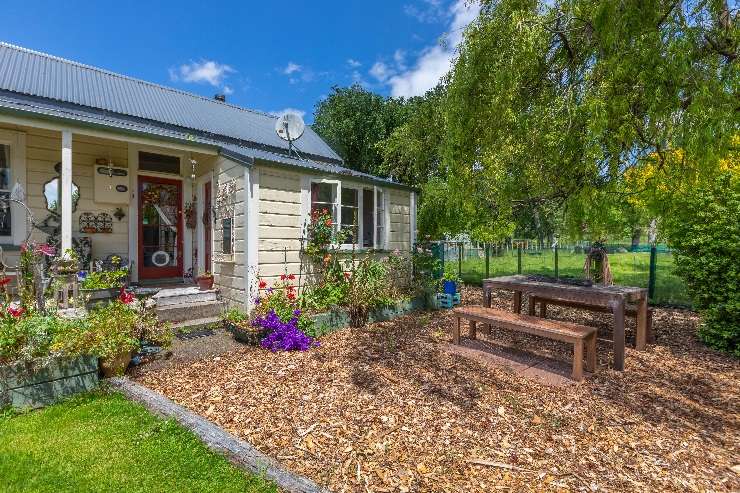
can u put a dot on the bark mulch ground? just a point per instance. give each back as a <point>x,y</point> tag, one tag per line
<point>386,408</point>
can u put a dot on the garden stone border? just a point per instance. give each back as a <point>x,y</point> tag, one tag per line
<point>338,318</point>
<point>239,452</point>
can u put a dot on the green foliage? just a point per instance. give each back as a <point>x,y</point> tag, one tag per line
<point>368,287</point>
<point>29,337</point>
<point>105,443</point>
<point>105,279</point>
<point>705,234</point>
<point>353,121</point>
<point>450,273</point>
<point>548,105</point>
<point>320,297</point>
<point>110,330</point>
<point>236,316</point>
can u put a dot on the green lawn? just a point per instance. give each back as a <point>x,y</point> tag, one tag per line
<point>103,442</point>
<point>629,269</point>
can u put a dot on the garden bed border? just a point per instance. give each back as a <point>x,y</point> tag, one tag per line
<point>239,452</point>
<point>338,318</point>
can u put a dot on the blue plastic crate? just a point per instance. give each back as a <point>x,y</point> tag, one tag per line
<point>444,300</point>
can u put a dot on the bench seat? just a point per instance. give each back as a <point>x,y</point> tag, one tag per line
<point>629,310</point>
<point>580,336</point>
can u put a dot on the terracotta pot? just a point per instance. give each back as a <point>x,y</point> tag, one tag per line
<point>116,366</point>
<point>205,283</point>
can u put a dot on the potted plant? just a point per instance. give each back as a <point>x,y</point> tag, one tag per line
<point>103,285</point>
<point>237,323</point>
<point>450,279</point>
<point>67,264</point>
<point>205,281</point>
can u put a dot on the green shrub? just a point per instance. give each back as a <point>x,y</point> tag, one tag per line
<point>29,336</point>
<point>704,232</point>
<point>368,287</point>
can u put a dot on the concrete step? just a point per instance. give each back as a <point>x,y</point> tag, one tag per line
<point>193,325</point>
<point>180,296</point>
<point>189,311</point>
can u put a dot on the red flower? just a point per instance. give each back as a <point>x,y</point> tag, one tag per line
<point>291,277</point>
<point>262,284</point>
<point>283,277</point>
<point>346,275</point>
<point>328,222</point>
<point>291,295</point>
<point>125,297</point>
<point>324,211</point>
<point>4,281</point>
<point>16,311</point>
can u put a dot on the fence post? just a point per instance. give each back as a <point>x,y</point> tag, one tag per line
<point>557,272</point>
<point>459,259</point>
<point>651,279</point>
<point>488,260</point>
<point>519,259</point>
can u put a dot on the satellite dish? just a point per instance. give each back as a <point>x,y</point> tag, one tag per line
<point>289,126</point>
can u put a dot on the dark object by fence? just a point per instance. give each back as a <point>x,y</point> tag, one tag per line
<point>519,260</point>
<point>651,279</point>
<point>459,259</point>
<point>39,384</point>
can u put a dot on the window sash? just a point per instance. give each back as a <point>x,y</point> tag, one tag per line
<point>347,208</point>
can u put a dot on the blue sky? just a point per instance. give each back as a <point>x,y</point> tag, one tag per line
<point>268,56</point>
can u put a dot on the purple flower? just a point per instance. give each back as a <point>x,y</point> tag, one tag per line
<point>297,313</point>
<point>257,300</point>
<point>283,336</point>
<point>269,290</point>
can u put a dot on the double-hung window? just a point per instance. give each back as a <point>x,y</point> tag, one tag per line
<point>358,211</point>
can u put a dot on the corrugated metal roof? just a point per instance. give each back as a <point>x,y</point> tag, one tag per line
<point>25,105</point>
<point>38,74</point>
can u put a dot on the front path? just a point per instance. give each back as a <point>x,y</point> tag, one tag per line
<point>386,408</point>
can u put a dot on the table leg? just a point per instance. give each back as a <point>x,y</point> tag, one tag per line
<point>531,305</point>
<point>472,329</point>
<point>642,325</point>
<point>543,309</point>
<point>617,307</point>
<point>456,332</point>
<point>517,308</point>
<point>487,295</point>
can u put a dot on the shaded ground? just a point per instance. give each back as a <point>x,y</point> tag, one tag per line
<point>386,408</point>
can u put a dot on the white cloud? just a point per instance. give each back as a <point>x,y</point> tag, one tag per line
<point>434,61</point>
<point>288,110</point>
<point>400,58</point>
<point>204,71</point>
<point>381,71</point>
<point>353,63</point>
<point>430,12</point>
<point>227,90</point>
<point>292,68</point>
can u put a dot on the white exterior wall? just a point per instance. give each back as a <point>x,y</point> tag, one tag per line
<point>281,219</point>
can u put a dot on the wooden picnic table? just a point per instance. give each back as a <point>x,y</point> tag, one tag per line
<point>612,297</point>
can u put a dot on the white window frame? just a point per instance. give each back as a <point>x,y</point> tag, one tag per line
<point>18,223</point>
<point>378,243</point>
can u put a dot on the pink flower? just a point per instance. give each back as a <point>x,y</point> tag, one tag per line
<point>4,281</point>
<point>16,311</point>
<point>44,249</point>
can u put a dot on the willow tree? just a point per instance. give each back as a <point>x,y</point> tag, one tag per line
<point>552,102</point>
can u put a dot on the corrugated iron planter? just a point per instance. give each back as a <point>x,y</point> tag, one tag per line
<point>43,382</point>
<point>246,334</point>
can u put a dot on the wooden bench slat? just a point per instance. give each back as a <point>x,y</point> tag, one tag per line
<point>578,335</point>
<point>553,329</point>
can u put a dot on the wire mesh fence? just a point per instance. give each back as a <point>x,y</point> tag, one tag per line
<point>630,265</point>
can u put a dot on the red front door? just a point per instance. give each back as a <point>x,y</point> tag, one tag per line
<point>160,228</point>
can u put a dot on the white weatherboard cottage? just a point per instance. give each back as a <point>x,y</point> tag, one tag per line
<point>111,165</point>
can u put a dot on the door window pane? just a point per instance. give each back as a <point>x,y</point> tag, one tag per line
<point>160,206</point>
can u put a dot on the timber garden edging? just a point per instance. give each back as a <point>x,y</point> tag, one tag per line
<point>44,381</point>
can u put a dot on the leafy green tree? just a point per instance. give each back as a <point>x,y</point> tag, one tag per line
<point>555,102</point>
<point>354,120</point>
<point>705,234</point>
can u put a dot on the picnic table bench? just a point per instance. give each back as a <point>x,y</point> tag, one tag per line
<point>581,336</point>
<point>609,298</point>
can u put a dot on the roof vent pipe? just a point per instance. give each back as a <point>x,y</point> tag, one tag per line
<point>220,97</point>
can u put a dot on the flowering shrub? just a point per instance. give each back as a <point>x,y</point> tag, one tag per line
<point>320,232</point>
<point>282,335</point>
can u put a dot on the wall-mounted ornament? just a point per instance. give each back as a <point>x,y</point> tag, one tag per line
<point>191,215</point>
<point>88,223</point>
<point>119,214</point>
<point>110,183</point>
<point>104,223</point>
